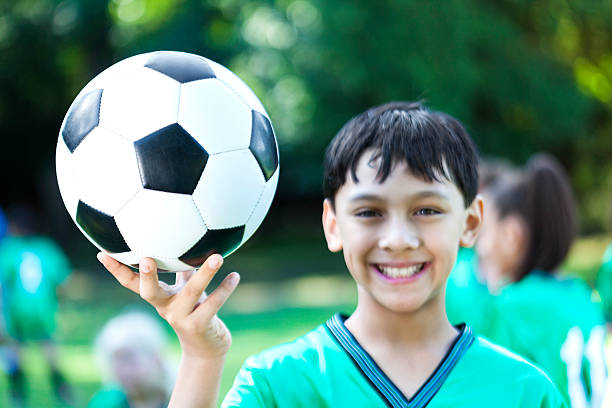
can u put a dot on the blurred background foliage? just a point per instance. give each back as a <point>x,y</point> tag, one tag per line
<point>523,76</point>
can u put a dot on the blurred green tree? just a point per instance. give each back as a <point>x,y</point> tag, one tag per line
<point>49,50</point>
<point>523,76</point>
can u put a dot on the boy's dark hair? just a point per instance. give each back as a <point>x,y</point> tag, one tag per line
<point>542,196</point>
<point>432,144</point>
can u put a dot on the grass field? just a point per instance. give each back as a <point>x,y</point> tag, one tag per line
<point>262,313</point>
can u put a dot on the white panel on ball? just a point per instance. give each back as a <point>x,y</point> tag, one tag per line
<point>263,205</point>
<point>66,177</point>
<point>128,258</point>
<point>215,116</point>
<point>138,102</point>
<point>229,188</point>
<point>107,171</point>
<point>172,264</point>
<point>160,224</point>
<point>232,80</point>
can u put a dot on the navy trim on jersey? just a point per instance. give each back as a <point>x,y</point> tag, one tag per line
<point>385,387</point>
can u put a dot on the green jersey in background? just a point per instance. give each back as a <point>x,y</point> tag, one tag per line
<point>556,324</point>
<point>31,269</point>
<point>467,297</point>
<point>110,397</point>
<point>552,322</point>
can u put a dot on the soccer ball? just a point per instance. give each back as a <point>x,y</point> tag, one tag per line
<point>167,155</point>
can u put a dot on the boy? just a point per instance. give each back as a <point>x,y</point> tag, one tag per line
<point>400,188</point>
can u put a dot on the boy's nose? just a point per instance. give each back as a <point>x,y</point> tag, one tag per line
<point>399,236</point>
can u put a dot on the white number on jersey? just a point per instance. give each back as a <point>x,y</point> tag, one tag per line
<point>573,352</point>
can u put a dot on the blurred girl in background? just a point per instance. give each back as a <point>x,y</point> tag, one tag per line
<point>465,281</point>
<point>529,226</point>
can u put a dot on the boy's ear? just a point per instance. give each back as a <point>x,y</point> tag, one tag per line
<point>330,227</point>
<point>473,222</point>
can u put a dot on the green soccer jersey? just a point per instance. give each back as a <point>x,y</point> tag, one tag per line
<point>467,298</point>
<point>328,368</point>
<point>555,324</point>
<point>112,396</point>
<point>109,397</point>
<point>31,268</point>
<point>604,283</point>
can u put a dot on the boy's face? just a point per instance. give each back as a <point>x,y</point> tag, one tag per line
<point>400,237</point>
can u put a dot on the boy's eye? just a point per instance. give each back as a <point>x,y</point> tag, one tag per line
<point>427,211</point>
<point>367,213</point>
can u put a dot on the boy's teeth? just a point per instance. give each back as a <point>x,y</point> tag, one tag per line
<point>400,272</point>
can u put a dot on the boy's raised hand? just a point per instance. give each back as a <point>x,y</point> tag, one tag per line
<point>184,305</point>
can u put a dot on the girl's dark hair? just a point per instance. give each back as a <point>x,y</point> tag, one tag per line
<point>490,170</point>
<point>432,144</point>
<point>542,196</point>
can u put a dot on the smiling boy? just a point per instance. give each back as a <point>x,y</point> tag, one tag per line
<point>400,198</point>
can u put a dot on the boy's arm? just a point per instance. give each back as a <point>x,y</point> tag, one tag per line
<point>204,338</point>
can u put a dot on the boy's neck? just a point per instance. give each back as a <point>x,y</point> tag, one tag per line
<point>428,326</point>
<point>407,346</point>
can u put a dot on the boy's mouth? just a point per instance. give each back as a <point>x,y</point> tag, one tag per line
<point>394,272</point>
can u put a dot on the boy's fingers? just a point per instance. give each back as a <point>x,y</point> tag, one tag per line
<point>124,275</point>
<point>197,283</point>
<point>217,298</point>
<point>149,282</point>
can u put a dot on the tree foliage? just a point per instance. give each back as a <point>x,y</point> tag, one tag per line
<point>523,76</point>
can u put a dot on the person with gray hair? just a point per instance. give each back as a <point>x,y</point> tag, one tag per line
<point>130,350</point>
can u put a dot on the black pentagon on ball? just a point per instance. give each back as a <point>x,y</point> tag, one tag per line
<point>170,160</point>
<point>180,66</point>
<point>82,118</point>
<point>101,227</point>
<point>263,144</point>
<point>219,241</point>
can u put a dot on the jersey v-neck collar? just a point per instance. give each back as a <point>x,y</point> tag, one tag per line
<point>379,380</point>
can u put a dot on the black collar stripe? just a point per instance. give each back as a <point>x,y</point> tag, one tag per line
<point>383,385</point>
